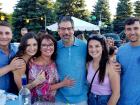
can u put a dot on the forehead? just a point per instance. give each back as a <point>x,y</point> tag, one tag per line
<point>94,42</point>
<point>5,28</point>
<point>136,24</point>
<point>65,24</point>
<point>31,40</point>
<point>46,41</point>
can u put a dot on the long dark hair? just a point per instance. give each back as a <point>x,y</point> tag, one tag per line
<point>50,37</point>
<point>23,43</point>
<point>104,57</point>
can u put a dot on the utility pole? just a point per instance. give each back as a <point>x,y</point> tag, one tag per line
<point>100,23</point>
<point>45,20</point>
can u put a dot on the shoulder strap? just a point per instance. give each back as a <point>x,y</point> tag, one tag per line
<point>92,80</point>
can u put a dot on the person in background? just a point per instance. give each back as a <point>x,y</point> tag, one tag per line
<point>105,86</point>
<point>110,41</point>
<point>71,62</point>
<point>112,53</point>
<point>27,49</point>
<point>7,52</point>
<point>43,91</point>
<point>129,58</point>
<point>81,36</point>
<point>23,31</point>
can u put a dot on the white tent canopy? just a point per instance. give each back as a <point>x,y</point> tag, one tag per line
<point>78,25</point>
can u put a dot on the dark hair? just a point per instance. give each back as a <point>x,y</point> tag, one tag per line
<point>131,20</point>
<point>66,19</point>
<point>4,23</point>
<point>23,43</point>
<point>104,57</point>
<point>112,50</point>
<point>41,38</point>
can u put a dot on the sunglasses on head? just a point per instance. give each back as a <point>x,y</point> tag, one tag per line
<point>97,36</point>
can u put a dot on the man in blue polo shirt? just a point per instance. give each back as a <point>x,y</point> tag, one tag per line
<point>71,61</point>
<point>7,52</point>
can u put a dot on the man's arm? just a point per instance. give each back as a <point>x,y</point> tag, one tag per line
<point>4,70</point>
<point>14,65</point>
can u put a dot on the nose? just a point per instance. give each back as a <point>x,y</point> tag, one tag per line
<point>93,48</point>
<point>4,35</point>
<point>66,31</point>
<point>132,32</point>
<point>32,48</point>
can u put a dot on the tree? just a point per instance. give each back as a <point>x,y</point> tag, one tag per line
<point>101,12</point>
<point>74,8</point>
<point>3,16</point>
<point>49,8</point>
<point>137,9</point>
<point>28,13</point>
<point>124,10</point>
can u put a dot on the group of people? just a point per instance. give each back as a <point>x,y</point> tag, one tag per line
<point>70,71</point>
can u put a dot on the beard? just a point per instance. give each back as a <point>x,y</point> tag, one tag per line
<point>68,38</point>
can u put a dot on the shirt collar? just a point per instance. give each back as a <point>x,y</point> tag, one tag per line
<point>76,43</point>
<point>11,49</point>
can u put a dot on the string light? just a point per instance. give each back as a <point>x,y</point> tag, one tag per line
<point>27,20</point>
<point>2,18</point>
<point>41,18</point>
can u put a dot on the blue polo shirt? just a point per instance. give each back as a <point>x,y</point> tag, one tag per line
<point>71,62</point>
<point>5,60</point>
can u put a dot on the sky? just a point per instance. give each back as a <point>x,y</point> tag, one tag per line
<point>8,5</point>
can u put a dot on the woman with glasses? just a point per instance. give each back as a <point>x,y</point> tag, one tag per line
<point>103,79</point>
<point>43,91</point>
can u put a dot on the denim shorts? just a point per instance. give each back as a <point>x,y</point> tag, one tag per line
<point>98,99</point>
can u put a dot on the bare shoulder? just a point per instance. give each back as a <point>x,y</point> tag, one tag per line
<point>111,71</point>
<point>109,68</point>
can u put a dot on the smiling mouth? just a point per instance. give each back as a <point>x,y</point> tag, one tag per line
<point>66,36</point>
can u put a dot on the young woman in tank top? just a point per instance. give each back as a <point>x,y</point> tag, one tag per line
<point>105,87</point>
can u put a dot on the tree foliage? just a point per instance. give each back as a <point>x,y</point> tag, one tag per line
<point>137,9</point>
<point>31,14</point>
<point>124,10</point>
<point>74,8</point>
<point>101,11</point>
<point>102,14</point>
<point>48,6</point>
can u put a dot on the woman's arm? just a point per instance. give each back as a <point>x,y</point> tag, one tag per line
<point>115,85</point>
<point>65,83</point>
<point>18,74</point>
<point>38,80</point>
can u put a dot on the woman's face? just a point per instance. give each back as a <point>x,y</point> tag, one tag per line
<point>47,47</point>
<point>95,49</point>
<point>32,47</point>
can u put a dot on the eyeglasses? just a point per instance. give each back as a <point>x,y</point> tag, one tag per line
<point>47,46</point>
<point>63,28</point>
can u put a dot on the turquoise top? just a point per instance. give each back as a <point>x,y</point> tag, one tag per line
<point>71,62</point>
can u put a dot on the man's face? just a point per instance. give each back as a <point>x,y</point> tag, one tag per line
<point>5,36</point>
<point>66,31</point>
<point>133,32</point>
